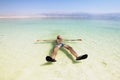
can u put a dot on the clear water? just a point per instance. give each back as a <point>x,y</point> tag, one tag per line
<point>65,27</point>
<point>101,41</point>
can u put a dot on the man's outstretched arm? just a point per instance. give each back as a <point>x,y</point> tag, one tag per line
<point>73,40</point>
<point>37,41</point>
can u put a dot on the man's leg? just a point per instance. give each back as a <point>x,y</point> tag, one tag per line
<point>71,50</point>
<point>54,53</point>
<point>75,54</point>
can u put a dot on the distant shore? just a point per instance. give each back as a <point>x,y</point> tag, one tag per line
<point>12,17</point>
<point>67,16</point>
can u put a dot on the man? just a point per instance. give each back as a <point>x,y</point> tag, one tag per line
<point>59,44</point>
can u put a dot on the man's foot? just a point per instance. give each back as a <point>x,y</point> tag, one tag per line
<point>49,59</point>
<point>82,57</point>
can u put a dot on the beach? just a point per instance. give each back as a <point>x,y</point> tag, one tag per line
<point>23,59</point>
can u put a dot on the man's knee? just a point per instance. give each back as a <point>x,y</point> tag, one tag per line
<point>69,48</point>
<point>55,48</point>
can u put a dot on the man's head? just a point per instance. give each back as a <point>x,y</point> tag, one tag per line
<point>59,37</point>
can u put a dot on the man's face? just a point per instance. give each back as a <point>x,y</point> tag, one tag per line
<point>59,37</point>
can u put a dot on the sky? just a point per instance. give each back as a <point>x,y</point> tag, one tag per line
<point>31,7</point>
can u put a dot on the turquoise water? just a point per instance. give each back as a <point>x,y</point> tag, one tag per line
<point>103,33</point>
<point>65,27</point>
<point>21,59</point>
<point>91,30</point>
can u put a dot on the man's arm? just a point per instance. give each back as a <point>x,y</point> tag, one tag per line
<point>45,40</point>
<point>73,40</point>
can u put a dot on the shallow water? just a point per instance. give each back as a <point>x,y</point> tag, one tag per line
<point>22,59</point>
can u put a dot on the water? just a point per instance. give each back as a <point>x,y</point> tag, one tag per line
<point>100,40</point>
<point>60,26</point>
